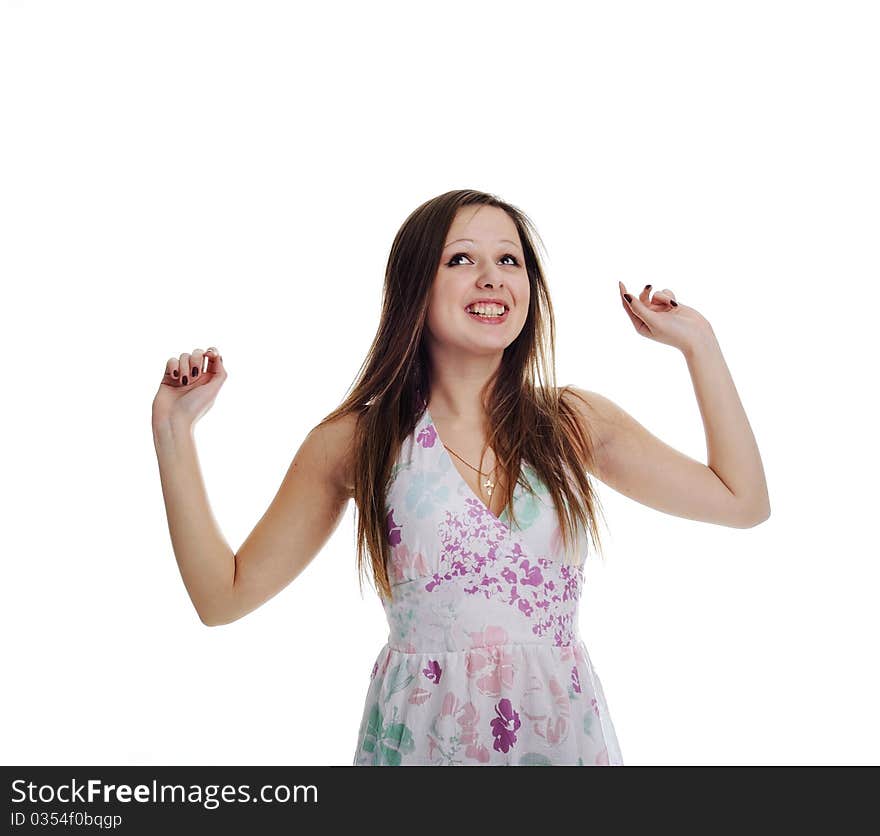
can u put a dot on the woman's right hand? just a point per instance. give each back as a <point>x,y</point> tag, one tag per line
<point>187,390</point>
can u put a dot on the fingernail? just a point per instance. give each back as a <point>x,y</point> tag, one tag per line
<point>627,297</point>
<point>184,381</point>
<point>647,287</point>
<point>673,302</point>
<point>195,371</point>
<point>175,373</point>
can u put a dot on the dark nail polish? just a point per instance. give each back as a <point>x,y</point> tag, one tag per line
<point>627,297</point>
<point>175,373</point>
<point>647,287</point>
<point>195,371</point>
<point>673,302</point>
<point>184,381</point>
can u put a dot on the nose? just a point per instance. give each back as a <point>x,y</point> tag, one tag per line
<point>491,279</point>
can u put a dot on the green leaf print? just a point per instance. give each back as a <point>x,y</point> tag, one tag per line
<point>374,729</point>
<point>401,737</point>
<point>390,757</point>
<point>528,509</point>
<point>588,723</point>
<point>399,678</point>
<point>386,744</point>
<point>527,506</point>
<point>535,759</point>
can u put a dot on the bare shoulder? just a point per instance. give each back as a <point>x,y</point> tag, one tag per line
<point>337,440</point>
<point>598,414</point>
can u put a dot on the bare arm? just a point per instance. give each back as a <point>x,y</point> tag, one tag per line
<point>731,490</point>
<point>301,518</point>
<point>204,558</point>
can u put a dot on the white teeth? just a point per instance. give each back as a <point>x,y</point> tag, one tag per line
<point>486,309</point>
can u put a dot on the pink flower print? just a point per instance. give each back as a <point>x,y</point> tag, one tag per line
<point>433,671</point>
<point>504,726</point>
<point>557,730</point>
<point>418,696</point>
<point>575,679</point>
<point>469,736</point>
<point>407,565</point>
<point>392,529</point>
<point>494,667</point>
<point>491,635</point>
<point>549,722</point>
<point>595,704</point>
<point>375,668</point>
<point>444,723</point>
<point>509,575</point>
<point>454,726</point>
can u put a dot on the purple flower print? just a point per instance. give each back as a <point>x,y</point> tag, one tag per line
<point>575,679</point>
<point>427,436</point>
<point>532,576</point>
<point>478,554</point>
<point>433,671</point>
<point>504,725</point>
<point>393,529</point>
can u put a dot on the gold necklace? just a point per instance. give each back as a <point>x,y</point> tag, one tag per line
<point>489,485</point>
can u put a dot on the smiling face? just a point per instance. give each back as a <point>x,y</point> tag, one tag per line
<point>488,264</point>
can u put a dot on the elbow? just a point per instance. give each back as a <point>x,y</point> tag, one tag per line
<point>755,517</point>
<point>207,619</point>
<point>218,618</point>
<point>218,609</point>
<point>212,618</point>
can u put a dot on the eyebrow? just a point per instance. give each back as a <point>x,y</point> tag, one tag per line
<point>471,241</point>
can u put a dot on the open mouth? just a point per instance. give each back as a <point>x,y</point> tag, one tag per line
<point>489,314</point>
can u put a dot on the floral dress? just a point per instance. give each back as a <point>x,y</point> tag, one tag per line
<point>483,664</point>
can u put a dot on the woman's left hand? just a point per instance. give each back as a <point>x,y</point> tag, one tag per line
<point>660,317</point>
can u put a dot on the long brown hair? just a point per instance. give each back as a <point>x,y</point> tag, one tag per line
<point>529,419</point>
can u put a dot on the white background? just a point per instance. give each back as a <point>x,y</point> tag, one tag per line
<point>181,174</point>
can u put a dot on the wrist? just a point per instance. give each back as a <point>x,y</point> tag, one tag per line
<point>703,341</point>
<point>167,430</point>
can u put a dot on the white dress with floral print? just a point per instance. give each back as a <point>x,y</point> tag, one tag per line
<point>483,664</point>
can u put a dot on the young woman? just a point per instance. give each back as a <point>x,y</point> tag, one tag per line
<point>471,474</point>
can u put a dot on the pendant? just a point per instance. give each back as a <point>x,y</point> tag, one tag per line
<point>489,485</point>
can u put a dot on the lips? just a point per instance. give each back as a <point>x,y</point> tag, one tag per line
<point>489,320</point>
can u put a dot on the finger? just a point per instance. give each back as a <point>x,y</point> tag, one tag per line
<point>172,371</point>
<point>197,363</point>
<point>638,312</point>
<point>645,295</point>
<point>664,296</point>
<point>185,372</point>
<point>215,361</point>
<point>627,306</point>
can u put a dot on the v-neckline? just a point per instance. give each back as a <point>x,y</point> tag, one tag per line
<point>444,452</point>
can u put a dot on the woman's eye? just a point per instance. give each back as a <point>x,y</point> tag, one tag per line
<point>452,262</point>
